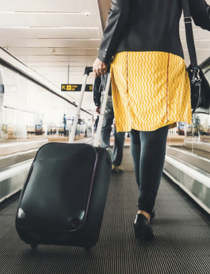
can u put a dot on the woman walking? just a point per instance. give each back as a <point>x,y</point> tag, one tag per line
<point>151,88</point>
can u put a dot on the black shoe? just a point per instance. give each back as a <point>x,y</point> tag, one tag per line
<point>152,216</point>
<point>142,228</point>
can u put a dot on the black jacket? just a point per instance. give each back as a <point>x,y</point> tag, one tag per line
<point>148,25</point>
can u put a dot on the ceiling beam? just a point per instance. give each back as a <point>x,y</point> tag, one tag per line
<point>104,6</point>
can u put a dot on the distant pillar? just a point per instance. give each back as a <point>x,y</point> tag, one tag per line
<point>1,89</point>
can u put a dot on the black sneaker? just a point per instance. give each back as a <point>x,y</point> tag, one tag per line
<point>117,168</point>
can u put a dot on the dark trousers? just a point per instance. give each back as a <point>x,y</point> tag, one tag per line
<point>119,139</point>
<point>148,150</point>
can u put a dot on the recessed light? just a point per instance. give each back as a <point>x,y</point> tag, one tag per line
<point>47,12</point>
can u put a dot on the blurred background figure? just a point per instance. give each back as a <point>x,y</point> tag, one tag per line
<point>96,123</point>
<point>64,124</point>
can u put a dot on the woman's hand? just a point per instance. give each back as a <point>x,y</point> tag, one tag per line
<point>98,110</point>
<point>99,68</point>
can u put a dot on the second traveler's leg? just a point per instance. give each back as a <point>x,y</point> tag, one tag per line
<point>106,129</point>
<point>119,139</point>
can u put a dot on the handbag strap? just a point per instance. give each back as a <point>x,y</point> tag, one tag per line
<point>189,34</point>
<point>196,79</point>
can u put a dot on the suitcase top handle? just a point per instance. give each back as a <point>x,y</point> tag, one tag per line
<point>88,70</point>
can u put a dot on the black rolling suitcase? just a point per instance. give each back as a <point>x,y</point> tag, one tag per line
<point>63,199</point>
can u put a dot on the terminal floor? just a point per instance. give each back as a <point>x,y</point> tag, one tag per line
<point>181,244</point>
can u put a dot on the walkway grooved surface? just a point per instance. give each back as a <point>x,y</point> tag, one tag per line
<point>181,245</point>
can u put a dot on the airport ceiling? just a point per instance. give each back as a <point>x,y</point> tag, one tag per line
<point>56,36</point>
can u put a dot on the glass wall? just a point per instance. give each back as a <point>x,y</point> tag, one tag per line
<point>31,116</point>
<point>193,139</point>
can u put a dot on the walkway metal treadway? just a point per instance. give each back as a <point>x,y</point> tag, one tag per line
<point>181,245</point>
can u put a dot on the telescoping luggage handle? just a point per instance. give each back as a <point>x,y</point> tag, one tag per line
<point>88,70</point>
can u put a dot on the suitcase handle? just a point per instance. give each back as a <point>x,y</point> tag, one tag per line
<point>88,70</point>
<point>102,111</point>
<point>76,117</point>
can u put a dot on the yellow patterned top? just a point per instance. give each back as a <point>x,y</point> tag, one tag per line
<point>150,90</point>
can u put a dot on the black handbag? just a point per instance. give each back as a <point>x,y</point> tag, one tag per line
<point>200,88</point>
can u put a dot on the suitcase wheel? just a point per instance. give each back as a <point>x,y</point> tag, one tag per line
<point>34,246</point>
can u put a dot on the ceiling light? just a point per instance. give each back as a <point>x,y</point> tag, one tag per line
<point>48,27</point>
<point>52,27</point>
<point>47,12</point>
<point>57,39</point>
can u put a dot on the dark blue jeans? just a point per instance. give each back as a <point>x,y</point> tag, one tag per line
<point>148,150</point>
<point>119,138</point>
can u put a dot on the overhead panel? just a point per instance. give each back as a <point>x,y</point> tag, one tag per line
<point>104,8</point>
<point>54,37</point>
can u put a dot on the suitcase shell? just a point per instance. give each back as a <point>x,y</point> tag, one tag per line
<point>63,199</point>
